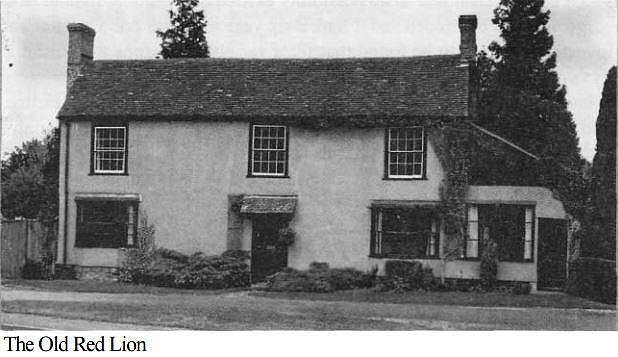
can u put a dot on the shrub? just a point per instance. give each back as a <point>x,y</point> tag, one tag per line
<point>318,266</point>
<point>593,278</point>
<point>347,278</point>
<point>292,280</point>
<point>489,266</point>
<point>286,236</point>
<point>172,255</point>
<point>521,288</point>
<point>402,275</point>
<point>64,272</point>
<point>319,278</point>
<point>229,270</point>
<point>33,270</point>
<point>136,261</point>
<point>169,268</point>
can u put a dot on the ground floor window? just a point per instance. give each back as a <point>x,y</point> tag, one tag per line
<point>106,223</point>
<point>405,232</point>
<point>511,226</point>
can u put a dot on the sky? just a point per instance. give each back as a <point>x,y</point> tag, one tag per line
<point>34,43</point>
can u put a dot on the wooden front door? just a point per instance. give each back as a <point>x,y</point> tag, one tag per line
<point>551,266</point>
<point>267,255</point>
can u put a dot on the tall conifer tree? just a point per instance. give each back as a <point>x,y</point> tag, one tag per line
<point>187,35</point>
<point>602,240</point>
<point>521,97</point>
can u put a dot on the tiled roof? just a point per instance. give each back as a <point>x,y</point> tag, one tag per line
<point>221,89</point>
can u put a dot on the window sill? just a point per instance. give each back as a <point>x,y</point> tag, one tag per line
<point>108,174</point>
<point>123,247</point>
<point>403,257</point>
<point>404,178</point>
<point>499,261</point>
<point>524,261</point>
<point>268,176</point>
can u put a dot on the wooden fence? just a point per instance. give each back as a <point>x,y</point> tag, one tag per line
<point>21,240</point>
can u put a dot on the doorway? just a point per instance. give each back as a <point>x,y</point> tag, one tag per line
<point>268,255</point>
<point>551,266</point>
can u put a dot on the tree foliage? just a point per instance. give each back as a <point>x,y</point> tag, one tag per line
<point>187,35</point>
<point>522,99</point>
<point>601,241</point>
<point>30,179</point>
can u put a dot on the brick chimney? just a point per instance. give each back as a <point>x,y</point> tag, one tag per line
<point>81,46</point>
<point>467,45</point>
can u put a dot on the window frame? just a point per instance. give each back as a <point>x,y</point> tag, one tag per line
<point>376,216</point>
<point>532,234</point>
<point>479,246</point>
<point>93,131</point>
<point>387,151</point>
<point>286,142</point>
<point>524,206</point>
<point>81,244</point>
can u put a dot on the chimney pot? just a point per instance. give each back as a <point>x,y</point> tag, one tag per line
<point>467,45</point>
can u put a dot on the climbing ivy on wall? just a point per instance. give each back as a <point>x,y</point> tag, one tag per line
<point>451,143</point>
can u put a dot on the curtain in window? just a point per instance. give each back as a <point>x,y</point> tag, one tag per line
<point>405,232</point>
<point>105,224</point>
<point>510,226</point>
<point>472,238</point>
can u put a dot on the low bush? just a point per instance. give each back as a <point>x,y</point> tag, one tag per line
<point>593,279</point>
<point>169,268</point>
<point>522,288</point>
<point>489,266</point>
<point>33,270</point>
<point>64,272</point>
<point>403,275</point>
<point>319,278</point>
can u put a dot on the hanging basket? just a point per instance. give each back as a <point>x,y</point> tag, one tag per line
<point>286,236</point>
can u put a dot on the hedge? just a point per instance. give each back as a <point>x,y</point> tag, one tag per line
<point>165,267</point>
<point>319,278</point>
<point>593,278</point>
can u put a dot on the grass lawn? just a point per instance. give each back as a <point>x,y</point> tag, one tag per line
<point>100,286</point>
<point>197,316</point>
<point>553,300</point>
<point>349,310</point>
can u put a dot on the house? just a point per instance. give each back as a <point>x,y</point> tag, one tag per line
<point>222,153</point>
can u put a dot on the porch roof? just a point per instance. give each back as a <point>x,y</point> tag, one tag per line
<point>262,204</point>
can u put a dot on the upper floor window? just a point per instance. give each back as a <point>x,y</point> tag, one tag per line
<point>405,153</point>
<point>268,151</point>
<point>109,150</point>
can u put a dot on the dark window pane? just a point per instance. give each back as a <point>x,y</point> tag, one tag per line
<point>103,224</point>
<point>417,145</point>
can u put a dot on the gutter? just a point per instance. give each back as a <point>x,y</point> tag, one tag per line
<point>66,193</point>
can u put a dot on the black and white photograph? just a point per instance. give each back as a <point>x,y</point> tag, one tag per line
<point>209,165</point>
